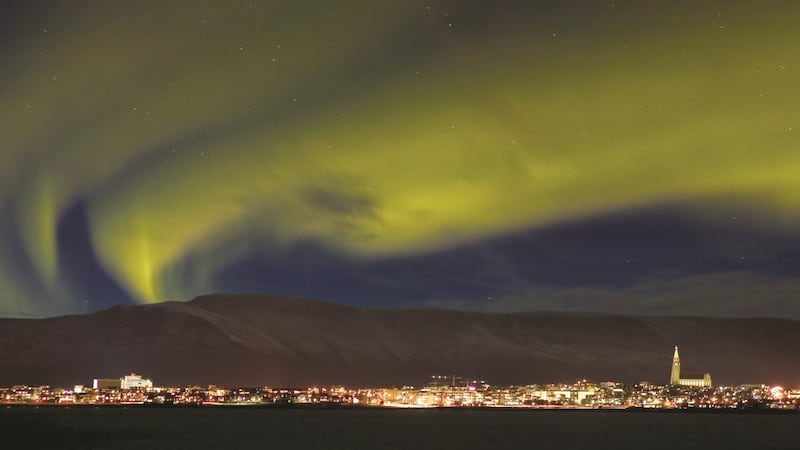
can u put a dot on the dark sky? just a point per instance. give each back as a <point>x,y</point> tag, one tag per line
<point>623,156</point>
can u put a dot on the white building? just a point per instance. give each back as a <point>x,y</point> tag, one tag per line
<point>134,381</point>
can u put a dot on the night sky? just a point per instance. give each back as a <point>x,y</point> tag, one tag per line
<point>625,156</point>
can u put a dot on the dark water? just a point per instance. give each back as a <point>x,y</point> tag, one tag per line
<point>244,428</point>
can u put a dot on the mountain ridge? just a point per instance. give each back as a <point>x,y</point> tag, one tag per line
<point>253,339</point>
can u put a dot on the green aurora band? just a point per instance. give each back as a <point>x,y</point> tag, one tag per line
<point>378,128</point>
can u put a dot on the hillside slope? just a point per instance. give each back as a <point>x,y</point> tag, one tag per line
<point>253,340</point>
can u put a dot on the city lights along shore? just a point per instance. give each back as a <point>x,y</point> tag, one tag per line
<point>440,391</point>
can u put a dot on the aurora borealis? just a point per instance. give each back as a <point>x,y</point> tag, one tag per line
<point>627,156</point>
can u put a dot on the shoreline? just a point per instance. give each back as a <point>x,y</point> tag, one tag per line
<point>341,407</point>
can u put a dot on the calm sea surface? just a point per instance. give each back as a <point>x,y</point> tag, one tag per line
<point>246,428</point>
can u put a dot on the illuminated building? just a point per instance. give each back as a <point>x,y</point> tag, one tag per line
<point>106,383</point>
<point>131,381</point>
<point>675,376</point>
<point>134,381</point>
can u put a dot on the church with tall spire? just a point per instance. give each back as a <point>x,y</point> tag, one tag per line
<point>693,381</point>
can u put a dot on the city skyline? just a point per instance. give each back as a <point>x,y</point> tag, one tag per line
<point>623,157</point>
<point>441,391</point>
<point>134,381</point>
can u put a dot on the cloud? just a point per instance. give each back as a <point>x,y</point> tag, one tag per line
<point>734,294</point>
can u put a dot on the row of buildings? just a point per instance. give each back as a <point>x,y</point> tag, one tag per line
<point>441,391</point>
<point>579,395</point>
<point>127,382</point>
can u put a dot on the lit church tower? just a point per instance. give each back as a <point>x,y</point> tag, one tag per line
<point>675,376</point>
<point>691,381</point>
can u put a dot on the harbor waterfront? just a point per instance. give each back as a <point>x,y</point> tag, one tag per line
<point>440,392</point>
<point>446,411</point>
